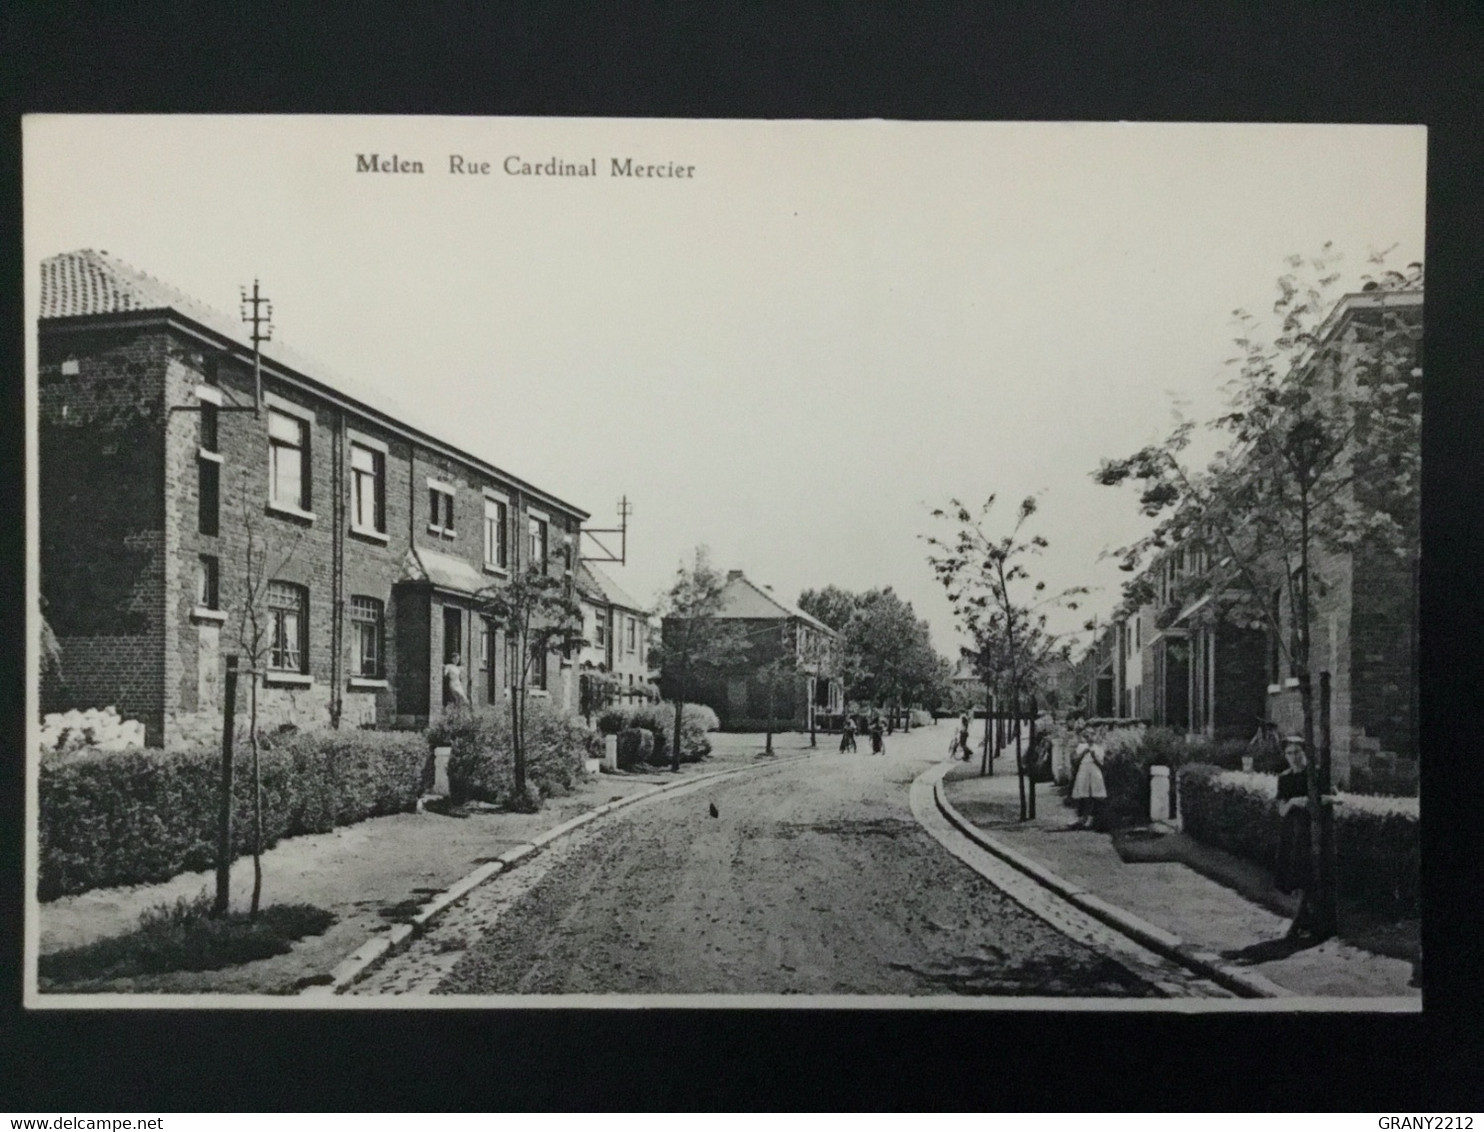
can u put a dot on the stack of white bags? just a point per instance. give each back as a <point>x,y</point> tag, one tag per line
<point>98,728</point>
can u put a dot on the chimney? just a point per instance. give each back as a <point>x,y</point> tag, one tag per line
<point>732,575</point>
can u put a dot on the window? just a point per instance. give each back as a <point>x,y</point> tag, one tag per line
<point>288,608</point>
<point>208,501</point>
<point>367,493</point>
<point>210,416</point>
<point>496,552</point>
<point>537,543</point>
<point>633,634</point>
<point>512,663</point>
<point>440,509</point>
<point>600,627</point>
<point>208,573</point>
<point>487,659</point>
<point>366,626</point>
<point>538,668</point>
<point>288,442</point>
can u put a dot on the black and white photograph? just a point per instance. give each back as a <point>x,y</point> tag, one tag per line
<point>549,562</point>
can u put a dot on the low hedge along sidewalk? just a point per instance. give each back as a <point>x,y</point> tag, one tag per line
<point>144,816</point>
<point>481,766</point>
<point>659,719</point>
<point>1377,854</point>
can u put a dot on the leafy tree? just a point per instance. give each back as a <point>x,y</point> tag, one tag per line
<point>889,659</point>
<point>540,615</point>
<point>832,605</point>
<point>695,643</point>
<point>1324,457</point>
<point>1000,606</point>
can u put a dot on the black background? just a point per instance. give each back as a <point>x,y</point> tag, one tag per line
<point>1093,60</point>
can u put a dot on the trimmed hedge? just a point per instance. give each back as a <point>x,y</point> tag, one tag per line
<point>695,721</point>
<point>144,816</point>
<point>1377,854</point>
<point>635,746</point>
<point>482,765</point>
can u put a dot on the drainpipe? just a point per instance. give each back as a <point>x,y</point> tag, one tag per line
<point>337,570</point>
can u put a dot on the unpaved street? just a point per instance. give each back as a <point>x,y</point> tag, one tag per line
<point>813,879</point>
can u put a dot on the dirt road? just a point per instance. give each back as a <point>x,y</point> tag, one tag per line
<point>814,878</point>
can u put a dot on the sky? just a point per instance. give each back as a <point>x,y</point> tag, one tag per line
<point>790,356</point>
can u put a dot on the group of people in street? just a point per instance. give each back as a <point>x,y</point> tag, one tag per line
<point>875,727</point>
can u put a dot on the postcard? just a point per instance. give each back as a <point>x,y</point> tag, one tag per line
<point>487,562</point>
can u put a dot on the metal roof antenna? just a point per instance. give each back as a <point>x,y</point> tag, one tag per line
<point>603,553</point>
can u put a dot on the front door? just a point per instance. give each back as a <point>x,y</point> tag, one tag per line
<point>455,663</point>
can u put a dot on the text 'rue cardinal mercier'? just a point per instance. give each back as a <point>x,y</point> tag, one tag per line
<point>517,166</point>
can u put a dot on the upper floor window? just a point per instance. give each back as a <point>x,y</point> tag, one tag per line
<point>367,625</point>
<point>633,637</point>
<point>367,489</point>
<point>496,528</point>
<point>537,545</point>
<point>288,449</point>
<point>440,508</point>
<point>600,627</point>
<point>288,615</point>
<point>208,582</point>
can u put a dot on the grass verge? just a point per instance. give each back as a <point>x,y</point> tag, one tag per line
<point>185,937</point>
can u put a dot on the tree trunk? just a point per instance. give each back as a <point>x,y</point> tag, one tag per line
<point>257,803</point>
<point>675,739</point>
<point>1030,747</point>
<point>224,817</point>
<point>1317,907</point>
<point>768,742</point>
<point>1019,763</point>
<point>985,766</point>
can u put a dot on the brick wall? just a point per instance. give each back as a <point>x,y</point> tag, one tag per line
<point>121,540</point>
<point>102,539</point>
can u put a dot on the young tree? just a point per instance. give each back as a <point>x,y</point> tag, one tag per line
<point>266,637</point>
<point>1002,608</point>
<point>694,643</point>
<point>539,615</point>
<point>1324,434</point>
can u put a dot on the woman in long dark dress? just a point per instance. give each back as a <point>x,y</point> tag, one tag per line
<point>1292,873</point>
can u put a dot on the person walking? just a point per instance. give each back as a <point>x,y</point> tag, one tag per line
<point>962,737</point>
<point>847,734</point>
<point>1089,790</point>
<point>878,735</point>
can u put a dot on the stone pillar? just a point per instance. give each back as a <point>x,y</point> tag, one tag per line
<point>1159,793</point>
<point>610,752</point>
<point>440,770</point>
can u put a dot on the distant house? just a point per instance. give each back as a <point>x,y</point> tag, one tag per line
<point>773,628</point>
<point>617,630</point>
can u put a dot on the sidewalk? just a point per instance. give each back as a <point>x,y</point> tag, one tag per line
<point>371,875</point>
<point>1169,894</point>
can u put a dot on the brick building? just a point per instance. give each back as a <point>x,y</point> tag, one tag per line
<point>1208,673</point>
<point>772,628</point>
<point>167,496</point>
<point>617,630</point>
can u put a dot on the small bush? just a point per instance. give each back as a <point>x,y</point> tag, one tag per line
<point>143,816</point>
<point>1376,843</point>
<point>921,718</point>
<point>659,719</point>
<point>482,764</point>
<point>185,937</point>
<point>635,746</point>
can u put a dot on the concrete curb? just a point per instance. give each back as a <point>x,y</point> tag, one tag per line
<point>382,946</point>
<point>1247,984</point>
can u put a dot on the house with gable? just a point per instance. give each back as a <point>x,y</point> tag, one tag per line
<point>614,664</point>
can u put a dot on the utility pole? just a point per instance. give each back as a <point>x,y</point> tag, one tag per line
<point>257,311</point>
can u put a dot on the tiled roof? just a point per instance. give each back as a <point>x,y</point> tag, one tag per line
<point>89,282</point>
<point>592,581</point>
<point>745,600</point>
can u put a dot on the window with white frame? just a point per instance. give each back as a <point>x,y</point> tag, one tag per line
<point>496,528</point>
<point>440,508</point>
<point>538,542</point>
<point>367,489</point>
<point>367,633</point>
<point>288,616</point>
<point>288,450</point>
